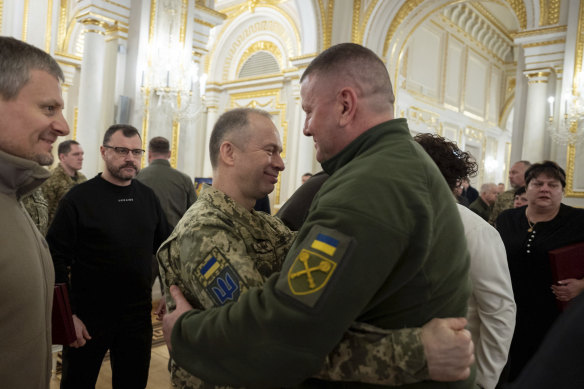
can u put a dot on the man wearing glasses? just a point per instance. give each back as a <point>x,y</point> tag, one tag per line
<point>102,240</point>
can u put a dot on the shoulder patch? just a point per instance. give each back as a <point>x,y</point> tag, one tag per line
<point>219,278</point>
<point>319,256</point>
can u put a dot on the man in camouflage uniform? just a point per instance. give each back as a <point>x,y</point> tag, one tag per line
<point>64,176</point>
<point>222,247</point>
<point>38,209</point>
<point>505,200</point>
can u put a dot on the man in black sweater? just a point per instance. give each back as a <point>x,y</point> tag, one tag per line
<point>105,231</point>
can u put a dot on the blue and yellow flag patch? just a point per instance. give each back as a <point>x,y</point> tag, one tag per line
<point>319,254</point>
<point>219,279</point>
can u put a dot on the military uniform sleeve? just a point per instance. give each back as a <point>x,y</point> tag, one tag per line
<point>51,195</point>
<point>377,356</point>
<point>281,335</point>
<point>209,263</point>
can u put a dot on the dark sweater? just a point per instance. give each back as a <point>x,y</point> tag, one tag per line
<point>107,234</point>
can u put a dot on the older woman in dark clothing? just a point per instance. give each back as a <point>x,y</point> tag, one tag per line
<point>529,233</point>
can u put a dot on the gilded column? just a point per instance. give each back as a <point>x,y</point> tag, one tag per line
<point>91,93</point>
<point>534,136</point>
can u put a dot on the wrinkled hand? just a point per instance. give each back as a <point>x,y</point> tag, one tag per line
<point>568,289</point>
<point>161,309</point>
<point>80,332</point>
<point>449,349</point>
<point>182,306</point>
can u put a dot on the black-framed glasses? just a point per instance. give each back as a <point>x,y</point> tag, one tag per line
<point>123,151</point>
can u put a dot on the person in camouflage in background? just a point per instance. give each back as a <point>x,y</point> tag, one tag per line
<point>222,247</point>
<point>37,208</point>
<point>505,200</point>
<point>64,176</point>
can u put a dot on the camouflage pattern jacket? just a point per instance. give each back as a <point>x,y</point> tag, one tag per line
<point>57,186</point>
<point>38,209</point>
<point>219,249</point>
<point>504,201</point>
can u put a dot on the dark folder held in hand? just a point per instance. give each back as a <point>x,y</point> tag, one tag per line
<point>63,330</point>
<point>567,262</point>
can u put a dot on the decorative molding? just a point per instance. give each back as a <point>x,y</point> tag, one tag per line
<point>367,19</point>
<point>48,33</point>
<point>355,30</point>
<point>25,20</point>
<point>75,122</point>
<point>256,28</point>
<point>518,7</point>
<point>270,47</point>
<point>579,52</point>
<point>540,31</point>
<point>571,167</point>
<point>183,25</point>
<point>210,11</point>
<point>1,13</point>
<point>549,12</point>
<point>397,21</point>
<point>546,43</point>
<point>492,19</point>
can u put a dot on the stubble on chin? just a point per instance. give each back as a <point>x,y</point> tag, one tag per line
<point>43,159</point>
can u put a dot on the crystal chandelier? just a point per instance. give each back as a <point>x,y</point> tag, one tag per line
<point>568,129</point>
<point>171,81</point>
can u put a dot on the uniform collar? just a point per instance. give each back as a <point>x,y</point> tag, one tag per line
<point>20,176</point>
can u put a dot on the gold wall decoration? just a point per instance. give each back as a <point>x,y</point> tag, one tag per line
<point>254,29</point>
<point>541,31</point>
<point>75,122</point>
<point>549,12</point>
<point>326,19</point>
<point>400,16</point>
<point>366,20</point>
<point>274,107</point>
<point>25,20</point>
<point>518,7</point>
<point>62,26</point>
<point>355,30</point>
<point>1,13</point>
<point>571,152</point>
<point>270,47</point>
<point>48,33</point>
<point>183,25</point>
<point>270,25</point>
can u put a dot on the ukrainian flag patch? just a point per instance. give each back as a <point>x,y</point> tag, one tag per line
<point>315,265</point>
<point>219,279</point>
<point>325,243</point>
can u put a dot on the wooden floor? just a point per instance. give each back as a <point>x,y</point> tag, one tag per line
<point>159,378</point>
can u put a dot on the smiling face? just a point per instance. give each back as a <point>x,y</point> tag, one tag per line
<point>322,117</point>
<point>120,169</point>
<point>31,123</point>
<point>544,192</point>
<point>258,161</point>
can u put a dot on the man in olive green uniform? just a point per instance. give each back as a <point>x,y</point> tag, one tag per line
<point>483,205</point>
<point>505,200</point>
<point>64,176</point>
<point>174,189</point>
<point>221,247</point>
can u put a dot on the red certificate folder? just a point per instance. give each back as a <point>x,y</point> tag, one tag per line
<point>63,329</point>
<point>567,262</point>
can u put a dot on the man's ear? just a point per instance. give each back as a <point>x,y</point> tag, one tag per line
<point>347,97</point>
<point>102,151</point>
<point>227,153</point>
<point>61,156</point>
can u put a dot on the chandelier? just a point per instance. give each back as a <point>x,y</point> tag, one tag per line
<point>171,81</point>
<point>568,129</point>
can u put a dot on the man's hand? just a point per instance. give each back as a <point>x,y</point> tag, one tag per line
<point>182,306</point>
<point>567,289</point>
<point>449,349</point>
<point>161,310</point>
<point>80,332</point>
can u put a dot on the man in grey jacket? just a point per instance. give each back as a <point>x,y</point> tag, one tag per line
<point>31,120</point>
